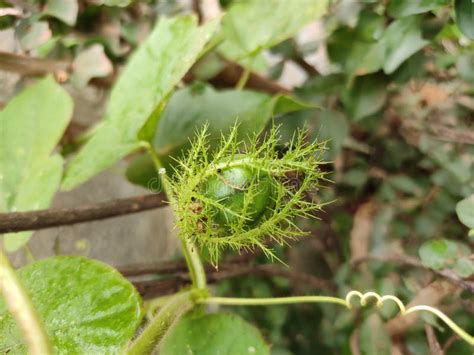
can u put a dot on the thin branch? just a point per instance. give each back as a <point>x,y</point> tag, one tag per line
<point>197,10</point>
<point>35,220</point>
<point>231,74</point>
<point>435,347</point>
<point>447,134</point>
<point>25,65</point>
<point>232,269</point>
<point>412,261</point>
<point>431,296</point>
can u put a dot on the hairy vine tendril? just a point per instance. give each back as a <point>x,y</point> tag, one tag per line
<point>347,302</point>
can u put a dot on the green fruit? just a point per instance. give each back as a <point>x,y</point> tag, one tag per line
<point>231,186</point>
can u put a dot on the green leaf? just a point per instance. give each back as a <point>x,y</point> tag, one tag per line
<point>464,267</point>
<point>402,8</point>
<point>465,67</point>
<point>189,109</point>
<point>356,57</point>
<point>36,193</point>
<point>119,3</point>
<point>252,25</point>
<point>218,333</point>
<point>90,63</point>
<point>441,253</point>
<point>333,126</point>
<point>64,10</point>
<point>374,338</point>
<point>464,10</point>
<point>142,171</point>
<point>153,71</point>
<point>402,39</point>
<point>465,211</point>
<point>366,97</point>
<point>86,306</point>
<point>33,34</point>
<point>32,125</point>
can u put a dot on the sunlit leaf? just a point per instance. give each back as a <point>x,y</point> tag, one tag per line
<point>252,25</point>
<point>86,306</point>
<point>31,125</point>
<point>64,10</point>
<point>149,77</point>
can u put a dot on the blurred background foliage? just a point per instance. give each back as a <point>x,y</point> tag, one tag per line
<point>394,85</point>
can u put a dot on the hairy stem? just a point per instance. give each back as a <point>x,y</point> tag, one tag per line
<point>193,261</point>
<point>196,269</point>
<point>158,326</point>
<point>22,309</point>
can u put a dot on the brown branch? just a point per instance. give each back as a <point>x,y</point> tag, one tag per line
<point>25,65</point>
<point>435,347</point>
<point>412,261</point>
<point>35,220</point>
<point>231,74</point>
<point>237,267</point>
<point>431,296</point>
<point>452,135</point>
<point>197,10</point>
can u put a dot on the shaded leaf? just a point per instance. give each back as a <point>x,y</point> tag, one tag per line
<point>86,306</point>
<point>32,35</point>
<point>440,253</point>
<point>374,338</point>
<point>252,25</point>
<point>354,52</point>
<point>366,97</point>
<point>142,171</point>
<point>464,267</point>
<point>465,67</point>
<point>401,8</point>
<point>64,10</point>
<point>402,39</point>
<point>465,211</point>
<point>149,77</point>
<point>90,63</point>
<point>189,109</point>
<point>464,10</point>
<point>333,126</point>
<point>31,126</point>
<point>218,333</point>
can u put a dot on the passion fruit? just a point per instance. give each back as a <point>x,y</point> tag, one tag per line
<point>231,187</point>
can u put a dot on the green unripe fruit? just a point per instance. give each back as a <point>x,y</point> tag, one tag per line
<point>231,186</point>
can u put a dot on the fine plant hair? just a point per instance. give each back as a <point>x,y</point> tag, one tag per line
<point>293,175</point>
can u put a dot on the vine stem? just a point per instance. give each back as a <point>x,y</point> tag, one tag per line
<point>158,326</point>
<point>191,255</point>
<point>243,78</point>
<point>196,269</point>
<point>347,302</point>
<point>22,309</point>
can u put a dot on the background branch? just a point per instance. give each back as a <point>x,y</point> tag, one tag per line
<point>36,220</point>
<point>412,261</point>
<point>178,277</point>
